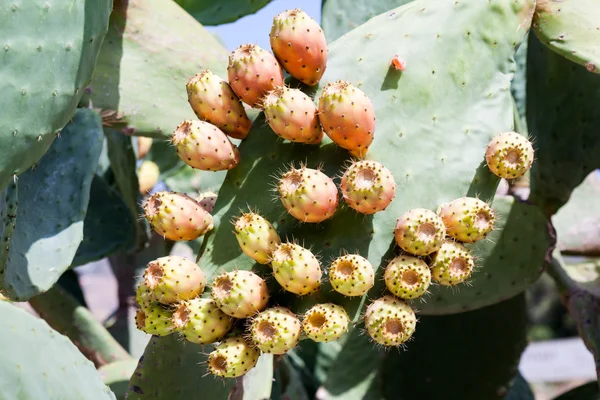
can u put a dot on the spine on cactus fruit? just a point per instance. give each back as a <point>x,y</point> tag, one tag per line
<point>509,155</point>
<point>176,216</point>
<point>407,277</point>
<point>256,236</point>
<point>296,269</point>
<point>451,264</point>
<point>325,322</point>
<point>173,279</point>
<point>275,330</point>
<point>240,294</point>
<point>308,194</point>
<point>390,321</point>
<point>368,186</point>
<point>252,72</point>
<point>299,44</point>
<point>351,275</point>
<point>467,219</point>
<point>204,146</point>
<point>200,321</point>
<point>292,115</point>
<point>213,100</point>
<point>233,357</point>
<point>419,231</point>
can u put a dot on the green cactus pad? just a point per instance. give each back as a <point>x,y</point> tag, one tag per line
<point>571,29</point>
<point>440,141</point>
<point>53,199</point>
<point>172,368</point>
<point>40,363</point>
<point>116,376</point>
<point>563,113</point>
<point>49,49</point>
<point>9,203</point>
<point>152,48</point>
<point>210,12</point>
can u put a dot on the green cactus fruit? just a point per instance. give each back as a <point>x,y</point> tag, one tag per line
<point>173,279</point>
<point>292,115</point>
<point>451,264</point>
<point>407,277</point>
<point>200,321</point>
<point>240,294</point>
<point>325,322</point>
<point>390,321</point>
<point>296,269</point>
<point>509,155</point>
<point>467,219</point>
<point>233,357</point>
<point>155,320</point>
<point>148,175</point>
<point>256,236</point>
<point>207,201</point>
<point>347,117</point>
<point>275,330</point>
<point>213,100</point>
<point>299,44</point>
<point>308,194</point>
<point>368,186</point>
<point>144,297</point>
<point>419,231</point>
<point>351,275</point>
<point>203,146</point>
<point>176,216</point>
<point>252,72</point>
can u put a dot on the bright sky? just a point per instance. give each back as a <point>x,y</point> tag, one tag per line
<point>255,28</point>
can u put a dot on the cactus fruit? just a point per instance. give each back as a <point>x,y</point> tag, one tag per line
<point>451,264</point>
<point>213,100</point>
<point>419,231</point>
<point>368,187</point>
<point>148,175</point>
<point>203,146</point>
<point>325,322</point>
<point>407,277</point>
<point>176,216</point>
<point>240,294</point>
<point>143,146</point>
<point>308,194</point>
<point>299,44</point>
<point>390,321</point>
<point>292,115</point>
<point>296,269</point>
<point>347,117</point>
<point>509,155</point>
<point>467,219</point>
<point>233,357</point>
<point>207,201</point>
<point>200,321</point>
<point>275,330</point>
<point>155,320</point>
<point>351,275</point>
<point>252,72</point>
<point>144,297</point>
<point>256,236</point>
<point>173,279</point>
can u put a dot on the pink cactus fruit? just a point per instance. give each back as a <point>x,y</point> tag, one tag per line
<point>207,201</point>
<point>296,269</point>
<point>451,264</point>
<point>419,231</point>
<point>233,357</point>
<point>407,277</point>
<point>390,321</point>
<point>240,294</point>
<point>467,219</point>
<point>509,155</point>
<point>173,279</point>
<point>213,100</point>
<point>176,216</point>
<point>368,186</point>
<point>200,321</point>
<point>275,330</point>
<point>203,146</point>
<point>256,236</point>
<point>325,322</point>
<point>351,275</point>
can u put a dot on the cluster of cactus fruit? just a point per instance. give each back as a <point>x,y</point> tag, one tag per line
<point>432,243</point>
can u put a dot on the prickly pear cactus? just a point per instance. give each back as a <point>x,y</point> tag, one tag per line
<point>210,12</point>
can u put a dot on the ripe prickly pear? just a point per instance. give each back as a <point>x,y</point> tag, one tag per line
<point>143,146</point>
<point>467,219</point>
<point>256,236</point>
<point>233,357</point>
<point>275,330</point>
<point>200,321</point>
<point>176,216</point>
<point>148,175</point>
<point>252,72</point>
<point>203,146</point>
<point>407,277</point>
<point>296,269</point>
<point>299,44</point>
<point>213,100</point>
<point>351,275</point>
<point>144,296</point>
<point>293,115</point>
<point>347,117</point>
<point>325,322</point>
<point>509,155</point>
<point>419,231</point>
<point>308,194</point>
<point>368,187</point>
<point>207,201</point>
<point>173,279</point>
<point>390,321</point>
<point>240,294</point>
<point>155,320</point>
<point>451,264</point>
